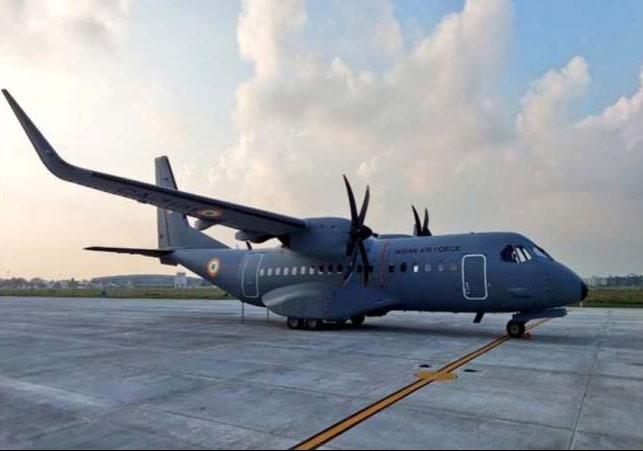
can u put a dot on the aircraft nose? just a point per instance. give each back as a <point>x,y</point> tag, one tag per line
<point>584,291</point>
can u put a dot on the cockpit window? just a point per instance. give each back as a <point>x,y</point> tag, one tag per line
<point>516,254</point>
<point>508,254</point>
<point>523,254</point>
<point>540,252</point>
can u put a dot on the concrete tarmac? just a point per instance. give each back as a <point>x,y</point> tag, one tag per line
<point>102,373</point>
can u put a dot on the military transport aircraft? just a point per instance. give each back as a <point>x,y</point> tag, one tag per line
<point>336,269</point>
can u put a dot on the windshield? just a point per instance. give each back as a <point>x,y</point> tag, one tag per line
<point>542,253</point>
<point>516,254</point>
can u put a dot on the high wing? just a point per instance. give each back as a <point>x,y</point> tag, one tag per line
<point>259,224</point>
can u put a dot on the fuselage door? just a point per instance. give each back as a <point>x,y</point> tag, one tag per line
<point>474,277</point>
<point>250,275</point>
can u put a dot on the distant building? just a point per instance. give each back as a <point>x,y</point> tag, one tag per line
<point>146,280</point>
<point>631,280</point>
<point>181,280</point>
<point>597,281</point>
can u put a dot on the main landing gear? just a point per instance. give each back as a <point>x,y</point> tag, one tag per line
<point>310,324</point>
<point>516,329</point>
<point>318,324</point>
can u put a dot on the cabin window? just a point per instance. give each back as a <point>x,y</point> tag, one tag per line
<point>427,267</point>
<point>286,271</point>
<point>404,267</point>
<point>311,270</point>
<point>320,269</point>
<point>303,271</point>
<point>277,271</point>
<point>441,267</point>
<point>371,269</point>
<point>416,268</point>
<point>262,272</point>
<point>340,269</point>
<point>391,268</point>
<point>294,271</point>
<point>453,267</point>
<point>269,272</point>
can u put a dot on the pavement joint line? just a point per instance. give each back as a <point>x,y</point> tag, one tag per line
<point>359,417</point>
<point>590,378</point>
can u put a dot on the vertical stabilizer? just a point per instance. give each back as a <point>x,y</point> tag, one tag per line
<point>174,231</point>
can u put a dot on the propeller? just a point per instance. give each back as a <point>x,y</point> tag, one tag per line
<point>421,229</point>
<point>358,233</point>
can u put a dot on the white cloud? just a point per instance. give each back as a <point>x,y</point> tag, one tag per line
<point>431,129</point>
<point>60,32</point>
<point>545,104</point>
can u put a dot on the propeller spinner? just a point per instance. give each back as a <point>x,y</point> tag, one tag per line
<point>358,233</point>
<point>421,229</point>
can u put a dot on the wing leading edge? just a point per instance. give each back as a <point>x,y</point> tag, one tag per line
<point>247,219</point>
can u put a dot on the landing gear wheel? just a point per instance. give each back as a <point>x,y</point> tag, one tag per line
<point>295,323</point>
<point>314,324</point>
<point>358,320</point>
<point>515,329</point>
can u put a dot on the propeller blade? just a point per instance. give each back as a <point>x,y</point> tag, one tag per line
<point>425,227</point>
<point>362,213</point>
<point>350,247</point>
<point>418,225</point>
<point>350,268</point>
<point>351,200</point>
<point>365,262</point>
<point>357,235</point>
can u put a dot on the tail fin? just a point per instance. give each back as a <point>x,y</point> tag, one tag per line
<point>174,231</point>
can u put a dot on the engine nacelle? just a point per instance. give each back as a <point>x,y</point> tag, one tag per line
<point>324,238</point>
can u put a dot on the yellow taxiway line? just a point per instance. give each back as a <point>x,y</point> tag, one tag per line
<point>425,379</point>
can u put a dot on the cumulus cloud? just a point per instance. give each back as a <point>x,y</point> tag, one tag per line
<point>60,32</point>
<point>430,128</point>
<point>425,124</point>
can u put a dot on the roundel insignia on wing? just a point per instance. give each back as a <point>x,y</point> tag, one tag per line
<point>214,266</point>
<point>210,214</point>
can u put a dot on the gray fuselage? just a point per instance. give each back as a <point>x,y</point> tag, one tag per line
<point>454,273</point>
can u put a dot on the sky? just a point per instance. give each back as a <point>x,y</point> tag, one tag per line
<point>496,115</point>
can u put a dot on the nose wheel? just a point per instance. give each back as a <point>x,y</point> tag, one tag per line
<point>515,329</point>
<point>358,321</point>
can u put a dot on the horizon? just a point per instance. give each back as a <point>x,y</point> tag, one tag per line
<point>468,108</point>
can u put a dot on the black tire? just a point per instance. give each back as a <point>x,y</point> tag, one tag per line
<point>358,320</point>
<point>314,324</point>
<point>294,323</point>
<point>515,329</point>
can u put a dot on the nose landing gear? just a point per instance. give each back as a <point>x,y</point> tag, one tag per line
<point>516,329</point>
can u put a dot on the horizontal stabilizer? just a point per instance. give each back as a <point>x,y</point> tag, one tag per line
<point>157,253</point>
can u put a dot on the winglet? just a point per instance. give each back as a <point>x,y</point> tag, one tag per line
<point>46,152</point>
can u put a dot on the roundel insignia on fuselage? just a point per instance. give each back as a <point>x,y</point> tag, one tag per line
<point>213,267</point>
